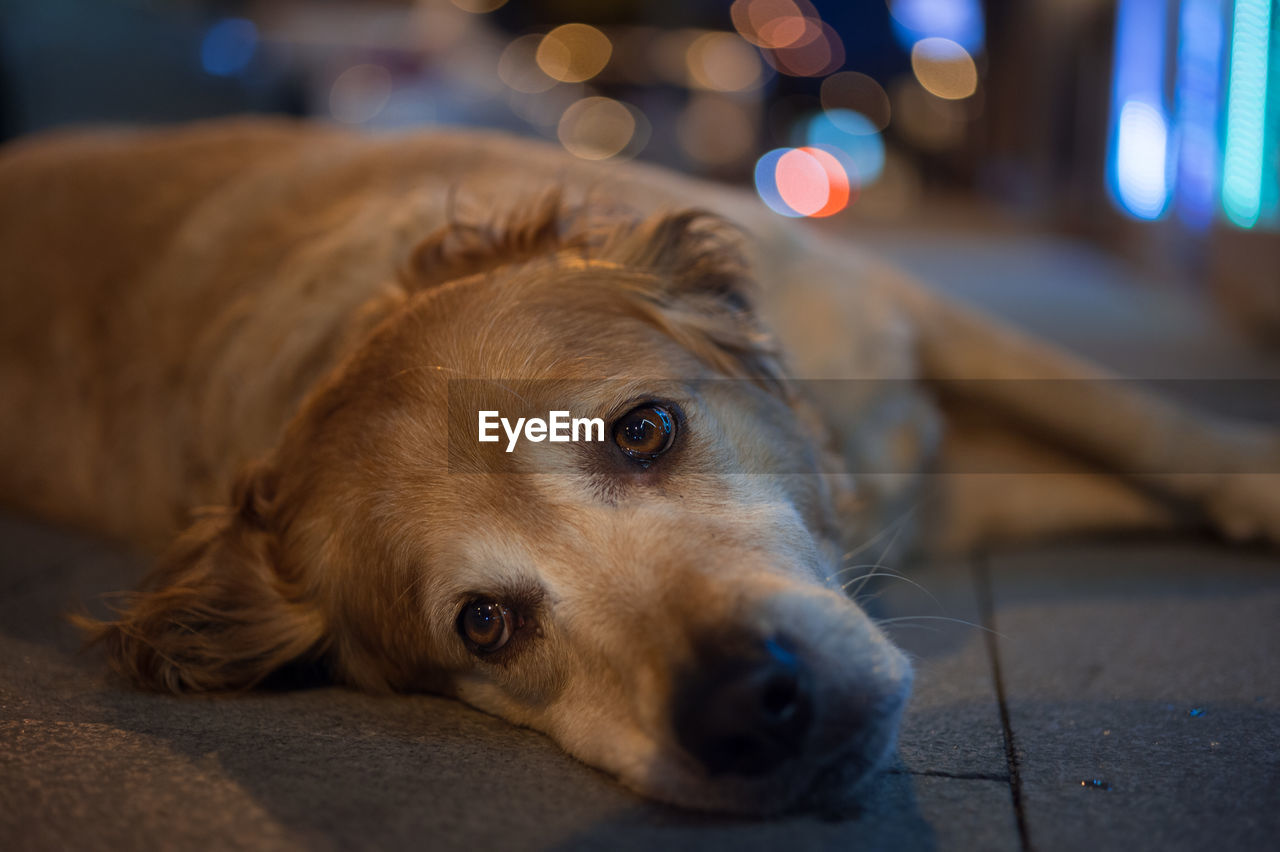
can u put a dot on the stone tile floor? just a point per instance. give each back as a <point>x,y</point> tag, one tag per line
<point>1121,695</point>
<point>1131,699</point>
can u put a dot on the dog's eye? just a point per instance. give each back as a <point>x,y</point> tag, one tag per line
<point>646,432</point>
<point>486,624</point>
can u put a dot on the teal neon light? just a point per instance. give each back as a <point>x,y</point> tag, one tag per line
<point>1245,150</point>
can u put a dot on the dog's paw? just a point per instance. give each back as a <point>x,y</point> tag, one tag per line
<point>1247,507</point>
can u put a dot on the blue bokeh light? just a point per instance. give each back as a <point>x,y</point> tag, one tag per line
<point>767,183</point>
<point>960,21</point>
<point>228,46</point>
<point>1138,156</point>
<point>852,138</point>
<point>1200,39</point>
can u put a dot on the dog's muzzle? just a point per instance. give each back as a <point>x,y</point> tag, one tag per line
<point>746,707</point>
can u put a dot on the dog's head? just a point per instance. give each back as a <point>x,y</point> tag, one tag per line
<point>662,602</point>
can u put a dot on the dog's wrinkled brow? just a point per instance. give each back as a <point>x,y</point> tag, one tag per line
<point>524,593</point>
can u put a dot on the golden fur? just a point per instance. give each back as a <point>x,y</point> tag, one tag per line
<point>273,335</point>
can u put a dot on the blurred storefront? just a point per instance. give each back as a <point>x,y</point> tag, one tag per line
<point>1149,126</point>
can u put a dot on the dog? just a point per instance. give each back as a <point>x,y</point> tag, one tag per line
<point>269,349</point>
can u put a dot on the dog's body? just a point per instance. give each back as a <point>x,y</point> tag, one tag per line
<point>273,313</point>
<point>142,222</point>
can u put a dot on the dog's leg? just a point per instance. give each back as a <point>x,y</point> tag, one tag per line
<point>1228,470</point>
<point>997,484</point>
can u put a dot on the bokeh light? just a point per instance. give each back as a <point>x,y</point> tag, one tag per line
<point>944,68</point>
<point>479,7</point>
<point>774,24</point>
<point>800,182</point>
<point>359,93</point>
<point>803,182</point>
<point>813,56</point>
<point>960,21</point>
<point>1141,146</point>
<point>518,66</point>
<point>723,62</point>
<point>796,40</point>
<point>849,91</point>
<point>598,128</point>
<point>430,27</point>
<point>1245,151</point>
<point>543,110</point>
<point>812,182</point>
<point>228,46</point>
<point>852,138</point>
<point>573,53</point>
<point>1139,126</point>
<point>767,183</point>
<point>1200,55</point>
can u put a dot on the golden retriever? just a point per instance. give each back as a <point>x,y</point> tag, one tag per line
<point>282,339</point>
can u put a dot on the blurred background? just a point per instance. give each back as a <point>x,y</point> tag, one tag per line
<point>1140,138</point>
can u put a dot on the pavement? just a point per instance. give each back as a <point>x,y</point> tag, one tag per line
<point>1108,694</point>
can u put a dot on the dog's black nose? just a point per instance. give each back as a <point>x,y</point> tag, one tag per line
<point>744,712</point>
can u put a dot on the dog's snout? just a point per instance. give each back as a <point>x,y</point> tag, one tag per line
<point>745,712</point>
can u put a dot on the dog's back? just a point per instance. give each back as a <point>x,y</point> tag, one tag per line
<point>91,335</point>
<point>171,296</point>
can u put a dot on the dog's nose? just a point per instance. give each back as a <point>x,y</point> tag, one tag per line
<point>745,713</point>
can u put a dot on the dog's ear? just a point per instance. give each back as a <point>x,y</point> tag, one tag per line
<point>216,613</point>
<point>461,249</point>
<point>695,253</point>
<point>703,294</point>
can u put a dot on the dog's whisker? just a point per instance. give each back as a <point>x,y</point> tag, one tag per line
<point>872,565</point>
<point>860,565</point>
<point>872,596</point>
<point>897,577</point>
<point>880,562</point>
<point>918,627</point>
<point>889,527</point>
<point>902,619</point>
